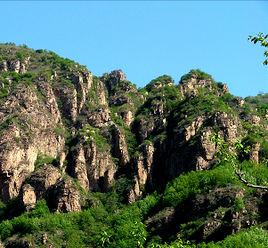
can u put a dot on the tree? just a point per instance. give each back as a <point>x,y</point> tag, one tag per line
<point>262,39</point>
<point>231,156</point>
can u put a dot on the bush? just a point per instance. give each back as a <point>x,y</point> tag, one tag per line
<point>192,183</point>
<point>200,75</point>
<point>253,238</point>
<point>90,133</point>
<point>255,174</point>
<point>164,80</point>
<point>239,204</point>
<point>44,159</point>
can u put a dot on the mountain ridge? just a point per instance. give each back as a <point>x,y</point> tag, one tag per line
<point>69,139</point>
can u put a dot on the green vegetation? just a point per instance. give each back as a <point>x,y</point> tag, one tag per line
<point>109,223</point>
<point>90,134</point>
<point>196,182</point>
<point>239,204</point>
<point>93,99</point>
<point>61,131</point>
<point>11,51</point>
<point>168,95</point>
<point>44,159</point>
<point>130,137</point>
<point>261,39</point>
<point>161,81</point>
<point>11,120</point>
<point>259,103</point>
<point>4,90</point>
<point>200,75</point>
<point>253,238</point>
<point>26,78</point>
<point>203,104</point>
<point>56,62</point>
<point>106,220</point>
<point>255,174</point>
<point>94,227</point>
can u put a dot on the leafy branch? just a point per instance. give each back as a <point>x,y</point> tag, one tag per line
<point>240,175</point>
<point>262,39</point>
<point>228,154</point>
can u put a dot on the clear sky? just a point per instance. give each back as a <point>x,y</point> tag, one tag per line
<point>148,39</point>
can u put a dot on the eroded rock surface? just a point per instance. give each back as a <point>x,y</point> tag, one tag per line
<point>65,197</point>
<point>97,130</point>
<point>93,168</point>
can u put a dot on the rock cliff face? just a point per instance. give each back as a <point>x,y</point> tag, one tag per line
<point>65,133</point>
<point>223,219</point>
<point>93,168</point>
<point>65,197</point>
<point>29,132</point>
<point>71,99</point>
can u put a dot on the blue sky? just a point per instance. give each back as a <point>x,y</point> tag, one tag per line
<point>148,39</point>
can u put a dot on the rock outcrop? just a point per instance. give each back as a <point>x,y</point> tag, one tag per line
<point>127,117</point>
<point>30,133</point>
<point>254,153</point>
<point>190,87</point>
<point>215,208</point>
<point>28,197</point>
<point>16,65</point>
<point>113,78</point>
<point>193,128</point>
<point>228,124</point>
<point>195,81</point>
<point>66,134</point>
<point>97,130</point>
<point>65,197</point>
<point>120,149</point>
<point>93,168</point>
<point>38,185</point>
<point>207,151</point>
<point>143,165</point>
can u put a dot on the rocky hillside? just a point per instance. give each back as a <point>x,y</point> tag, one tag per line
<point>90,161</point>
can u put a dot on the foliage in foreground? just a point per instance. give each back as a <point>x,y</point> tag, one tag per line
<point>252,238</point>
<point>112,224</point>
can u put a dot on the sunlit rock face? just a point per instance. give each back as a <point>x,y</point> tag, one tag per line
<point>65,132</point>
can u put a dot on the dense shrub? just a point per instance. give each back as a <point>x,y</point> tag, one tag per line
<point>90,134</point>
<point>95,227</point>
<point>253,238</point>
<point>195,182</point>
<point>255,174</point>
<point>44,159</point>
<point>197,72</point>
<point>162,80</point>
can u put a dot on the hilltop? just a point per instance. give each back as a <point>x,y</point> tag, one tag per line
<point>89,161</point>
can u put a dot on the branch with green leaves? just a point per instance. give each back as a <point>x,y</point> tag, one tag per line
<point>261,39</point>
<point>230,155</point>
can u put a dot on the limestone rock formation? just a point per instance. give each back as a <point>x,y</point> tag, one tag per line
<point>44,178</point>
<point>66,134</point>
<point>127,117</point>
<point>65,197</point>
<point>143,164</point>
<point>28,197</point>
<point>120,150</point>
<point>254,153</point>
<point>208,150</point>
<point>191,86</point>
<point>93,168</point>
<point>193,128</point>
<point>30,133</point>
<point>113,78</point>
<point>228,124</point>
